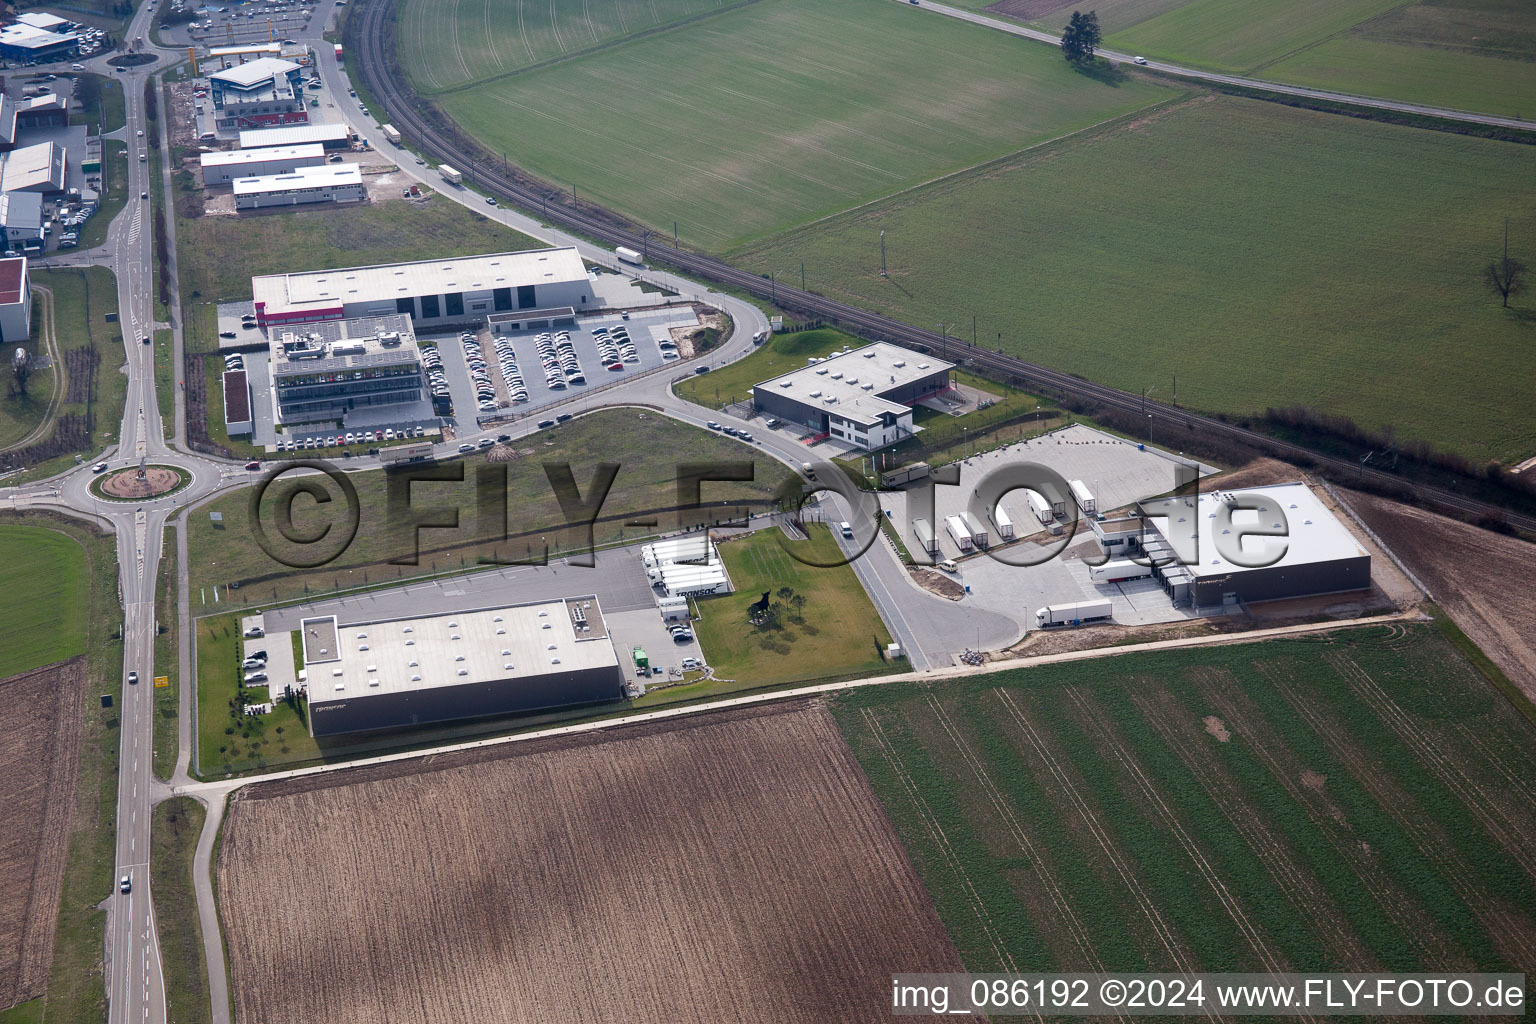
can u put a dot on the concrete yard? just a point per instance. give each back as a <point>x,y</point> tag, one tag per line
<point>1116,470</point>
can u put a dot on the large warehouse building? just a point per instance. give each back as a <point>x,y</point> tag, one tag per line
<point>335,135</point>
<point>1317,553</point>
<point>863,396</point>
<point>433,293</point>
<point>403,672</point>
<point>225,165</point>
<point>324,184</point>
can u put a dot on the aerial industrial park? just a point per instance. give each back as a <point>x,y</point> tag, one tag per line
<point>831,504</point>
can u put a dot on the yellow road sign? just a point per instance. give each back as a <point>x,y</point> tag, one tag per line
<point>162,680</point>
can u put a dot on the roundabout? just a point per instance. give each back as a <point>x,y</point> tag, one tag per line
<point>140,484</point>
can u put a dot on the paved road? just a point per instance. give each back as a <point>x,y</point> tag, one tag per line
<point>1197,74</point>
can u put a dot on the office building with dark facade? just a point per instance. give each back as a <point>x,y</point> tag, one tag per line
<point>323,371</point>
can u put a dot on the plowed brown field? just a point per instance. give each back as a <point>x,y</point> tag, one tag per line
<point>1481,579</point>
<point>40,722</point>
<point>736,867</point>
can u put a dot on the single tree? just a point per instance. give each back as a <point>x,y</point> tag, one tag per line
<point>1081,38</point>
<point>1506,276</point>
<point>20,371</point>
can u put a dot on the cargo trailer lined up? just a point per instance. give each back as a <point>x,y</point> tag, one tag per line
<point>959,531</point>
<point>1073,614</point>
<point>1119,570</point>
<point>925,538</point>
<point>1085,499</point>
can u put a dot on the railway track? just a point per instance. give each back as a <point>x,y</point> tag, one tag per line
<point>371,42</point>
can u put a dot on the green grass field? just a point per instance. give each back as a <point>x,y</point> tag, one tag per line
<point>840,635</point>
<point>167,698</point>
<point>177,823</point>
<point>1465,54</point>
<point>478,39</point>
<point>75,990</point>
<point>783,111</point>
<point>1267,256</point>
<point>44,586</point>
<point>647,450</point>
<point>1224,809</point>
<point>1237,35</point>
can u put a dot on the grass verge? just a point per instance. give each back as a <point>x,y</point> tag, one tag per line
<point>823,627</point>
<point>167,702</point>
<point>177,824</point>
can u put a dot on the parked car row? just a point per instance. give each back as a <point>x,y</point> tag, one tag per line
<point>432,366</point>
<point>614,347</point>
<point>517,388</point>
<point>561,367</point>
<point>479,373</point>
<point>351,437</point>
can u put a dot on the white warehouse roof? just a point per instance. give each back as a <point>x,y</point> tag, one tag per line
<point>1314,534</point>
<point>303,177</point>
<point>851,383</point>
<point>284,292</point>
<point>293,135</point>
<point>41,19</point>
<point>254,73</point>
<point>235,157</point>
<point>35,168</point>
<point>404,655</point>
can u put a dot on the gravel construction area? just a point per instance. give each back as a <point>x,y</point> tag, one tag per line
<point>726,867</point>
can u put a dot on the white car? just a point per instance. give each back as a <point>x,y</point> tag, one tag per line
<point>141,133</point>
<point>691,663</point>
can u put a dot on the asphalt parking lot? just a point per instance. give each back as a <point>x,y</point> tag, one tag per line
<point>646,331</point>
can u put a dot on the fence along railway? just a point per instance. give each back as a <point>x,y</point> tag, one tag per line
<point>372,35</point>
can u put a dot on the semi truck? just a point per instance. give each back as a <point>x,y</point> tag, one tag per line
<point>1085,499</point>
<point>338,53</point>
<point>957,529</point>
<point>1119,569</point>
<point>628,255</point>
<point>391,134</point>
<point>925,538</point>
<point>1041,507</point>
<point>1072,614</point>
<point>1004,524</point>
<point>978,532</point>
<point>451,174</point>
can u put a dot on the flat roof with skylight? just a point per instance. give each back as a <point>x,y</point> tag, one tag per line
<point>853,383</point>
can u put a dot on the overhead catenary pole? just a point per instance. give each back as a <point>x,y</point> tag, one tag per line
<point>802,275</point>
<point>882,252</point>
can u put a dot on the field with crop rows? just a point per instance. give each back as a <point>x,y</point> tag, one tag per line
<point>781,111</point>
<point>447,46</point>
<point>1356,801</point>
<point>41,720</point>
<point>735,867</point>
<point>1266,256</point>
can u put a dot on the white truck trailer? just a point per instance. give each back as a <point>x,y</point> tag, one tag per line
<point>1072,614</point>
<point>627,255</point>
<point>978,532</point>
<point>1119,569</point>
<point>452,175</point>
<point>925,538</point>
<point>957,529</point>
<point>1041,507</point>
<point>1085,499</point>
<point>1004,524</point>
<point>390,133</point>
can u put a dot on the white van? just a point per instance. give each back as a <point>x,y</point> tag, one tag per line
<point>948,565</point>
<point>846,529</point>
